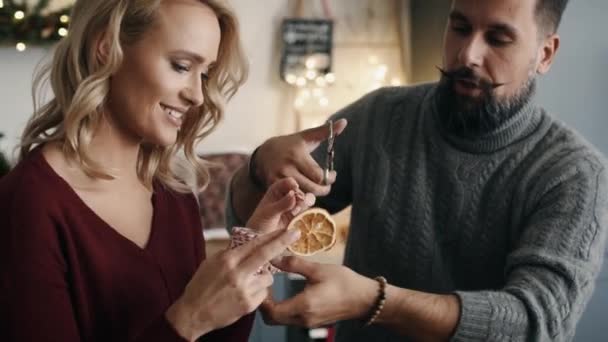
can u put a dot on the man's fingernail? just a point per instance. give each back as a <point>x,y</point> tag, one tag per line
<point>294,235</point>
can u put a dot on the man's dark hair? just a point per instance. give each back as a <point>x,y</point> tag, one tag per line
<point>549,14</point>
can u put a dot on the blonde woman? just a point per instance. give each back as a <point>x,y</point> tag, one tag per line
<point>99,240</point>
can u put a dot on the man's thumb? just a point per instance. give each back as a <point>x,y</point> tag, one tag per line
<point>297,265</point>
<point>314,136</point>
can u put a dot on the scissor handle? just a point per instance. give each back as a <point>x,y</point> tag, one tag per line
<point>331,138</point>
<point>329,157</point>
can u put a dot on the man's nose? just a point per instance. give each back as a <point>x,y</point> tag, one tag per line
<point>473,52</point>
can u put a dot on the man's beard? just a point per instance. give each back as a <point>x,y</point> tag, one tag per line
<point>466,116</point>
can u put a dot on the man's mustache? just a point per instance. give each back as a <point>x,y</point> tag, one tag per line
<point>467,74</point>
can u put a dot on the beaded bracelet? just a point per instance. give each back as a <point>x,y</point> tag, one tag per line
<point>380,300</point>
<point>241,236</point>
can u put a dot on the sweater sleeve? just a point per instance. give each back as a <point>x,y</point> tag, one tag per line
<point>551,271</point>
<point>232,220</point>
<point>345,144</point>
<point>35,286</point>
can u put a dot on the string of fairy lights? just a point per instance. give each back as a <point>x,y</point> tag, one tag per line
<point>311,86</point>
<point>22,25</point>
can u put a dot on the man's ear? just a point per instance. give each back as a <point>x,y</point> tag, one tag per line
<point>547,53</point>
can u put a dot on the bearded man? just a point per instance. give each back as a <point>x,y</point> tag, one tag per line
<point>476,215</point>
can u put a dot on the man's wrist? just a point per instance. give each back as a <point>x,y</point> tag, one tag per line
<point>367,299</point>
<point>379,299</point>
<point>244,196</point>
<point>253,172</point>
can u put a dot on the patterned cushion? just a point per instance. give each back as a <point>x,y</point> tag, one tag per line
<point>212,199</point>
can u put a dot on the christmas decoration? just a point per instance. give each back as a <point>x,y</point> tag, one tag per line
<point>31,22</point>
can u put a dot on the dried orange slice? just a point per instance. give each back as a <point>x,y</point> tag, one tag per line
<point>318,232</point>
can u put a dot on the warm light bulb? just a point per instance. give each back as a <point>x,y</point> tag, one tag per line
<point>301,82</point>
<point>311,74</point>
<point>21,47</point>
<point>62,32</point>
<point>330,78</point>
<point>64,18</point>
<point>19,15</point>
<point>291,78</point>
<point>310,63</point>
<point>381,72</point>
<point>1,3</point>
<point>321,82</point>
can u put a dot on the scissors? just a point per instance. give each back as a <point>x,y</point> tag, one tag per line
<point>329,157</point>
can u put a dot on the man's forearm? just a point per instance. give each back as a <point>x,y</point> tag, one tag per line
<point>419,315</point>
<point>245,195</point>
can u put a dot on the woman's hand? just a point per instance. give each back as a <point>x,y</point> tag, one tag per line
<point>227,286</point>
<point>280,204</point>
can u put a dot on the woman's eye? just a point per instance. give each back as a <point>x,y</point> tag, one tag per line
<point>180,67</point>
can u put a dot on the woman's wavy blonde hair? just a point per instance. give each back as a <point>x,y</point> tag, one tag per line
<point>81,85</point>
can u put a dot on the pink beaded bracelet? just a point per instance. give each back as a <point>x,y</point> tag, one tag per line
<point>241,236</point>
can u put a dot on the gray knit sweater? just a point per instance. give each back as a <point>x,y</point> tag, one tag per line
<point>513,222</point>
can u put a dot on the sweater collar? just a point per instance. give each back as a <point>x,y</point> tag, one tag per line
<point>518,126</point>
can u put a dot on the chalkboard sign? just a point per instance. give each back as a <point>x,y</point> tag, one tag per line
<point>307,46</point>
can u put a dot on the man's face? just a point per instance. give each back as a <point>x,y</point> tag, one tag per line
<point>491,55</point>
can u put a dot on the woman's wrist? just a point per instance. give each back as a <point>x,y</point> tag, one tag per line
<point>185,324</point>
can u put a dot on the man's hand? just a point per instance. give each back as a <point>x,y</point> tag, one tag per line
<point>335,293</point>
<point>289,156</point>
<point>279,158</point>
<point>324,300</point>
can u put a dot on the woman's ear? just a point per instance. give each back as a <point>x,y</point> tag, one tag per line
<point>102,49</point>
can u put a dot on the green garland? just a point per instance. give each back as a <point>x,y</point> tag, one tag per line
<point>34,28</point>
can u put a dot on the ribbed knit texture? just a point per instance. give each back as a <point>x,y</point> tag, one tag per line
<point>513,222</point>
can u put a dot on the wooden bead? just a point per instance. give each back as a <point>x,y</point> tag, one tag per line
<point>380,300</point>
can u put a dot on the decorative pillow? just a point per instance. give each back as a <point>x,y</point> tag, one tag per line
<point>212,199</point>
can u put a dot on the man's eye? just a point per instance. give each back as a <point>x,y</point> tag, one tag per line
<point>498,40</point>
<point>460,29</point>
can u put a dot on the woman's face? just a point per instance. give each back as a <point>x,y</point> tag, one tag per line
<point>161,78</point>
